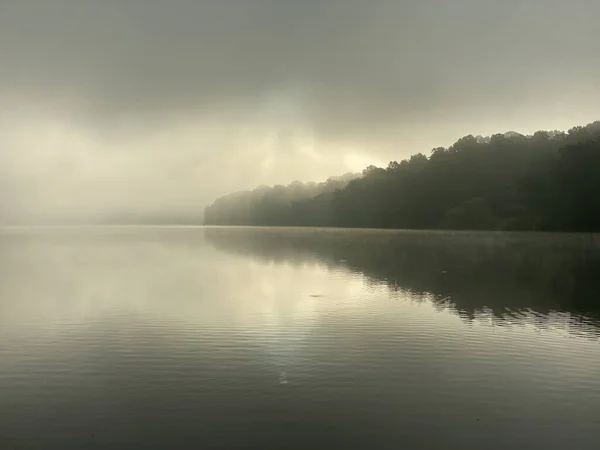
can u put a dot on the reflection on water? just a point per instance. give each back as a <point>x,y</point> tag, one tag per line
<point>127,338</point>
<point>507,277</point>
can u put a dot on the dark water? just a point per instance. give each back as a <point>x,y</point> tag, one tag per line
<point>183,338</point>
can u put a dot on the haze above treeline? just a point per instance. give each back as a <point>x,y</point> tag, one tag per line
<point>145,111</point>
<point>546,181</point>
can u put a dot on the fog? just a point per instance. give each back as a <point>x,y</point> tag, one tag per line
<point>112,107</point>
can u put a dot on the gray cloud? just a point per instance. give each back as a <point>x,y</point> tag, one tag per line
<point>166,104</point>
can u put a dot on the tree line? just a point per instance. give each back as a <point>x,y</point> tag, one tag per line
<point>545,181</point>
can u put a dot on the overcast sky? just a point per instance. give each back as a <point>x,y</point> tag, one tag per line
<point>159,106</point>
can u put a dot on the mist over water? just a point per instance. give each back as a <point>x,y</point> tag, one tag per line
<point>158,337</point>
<point>338,113</point>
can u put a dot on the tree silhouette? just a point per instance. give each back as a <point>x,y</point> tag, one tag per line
<point>547,181</point>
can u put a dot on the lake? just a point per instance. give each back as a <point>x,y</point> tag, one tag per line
<point>257,338</point>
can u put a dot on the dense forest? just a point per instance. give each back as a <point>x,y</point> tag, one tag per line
<point>296,204</point>
<point>545,181</point>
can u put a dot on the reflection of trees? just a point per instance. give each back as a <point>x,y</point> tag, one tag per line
<point>507,275</point>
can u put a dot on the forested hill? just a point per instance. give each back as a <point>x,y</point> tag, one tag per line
<point>546,181</point>
<point>278,205</point>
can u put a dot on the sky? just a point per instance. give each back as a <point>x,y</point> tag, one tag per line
<point>156,107</point>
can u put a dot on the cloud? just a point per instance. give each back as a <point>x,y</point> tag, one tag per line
<point>161,105</point>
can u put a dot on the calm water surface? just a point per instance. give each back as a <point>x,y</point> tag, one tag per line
<point>192,338</point>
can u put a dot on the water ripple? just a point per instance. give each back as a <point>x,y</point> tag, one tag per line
<point>151,343</point>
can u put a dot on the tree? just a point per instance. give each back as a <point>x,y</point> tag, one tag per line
<point>547,181</point>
